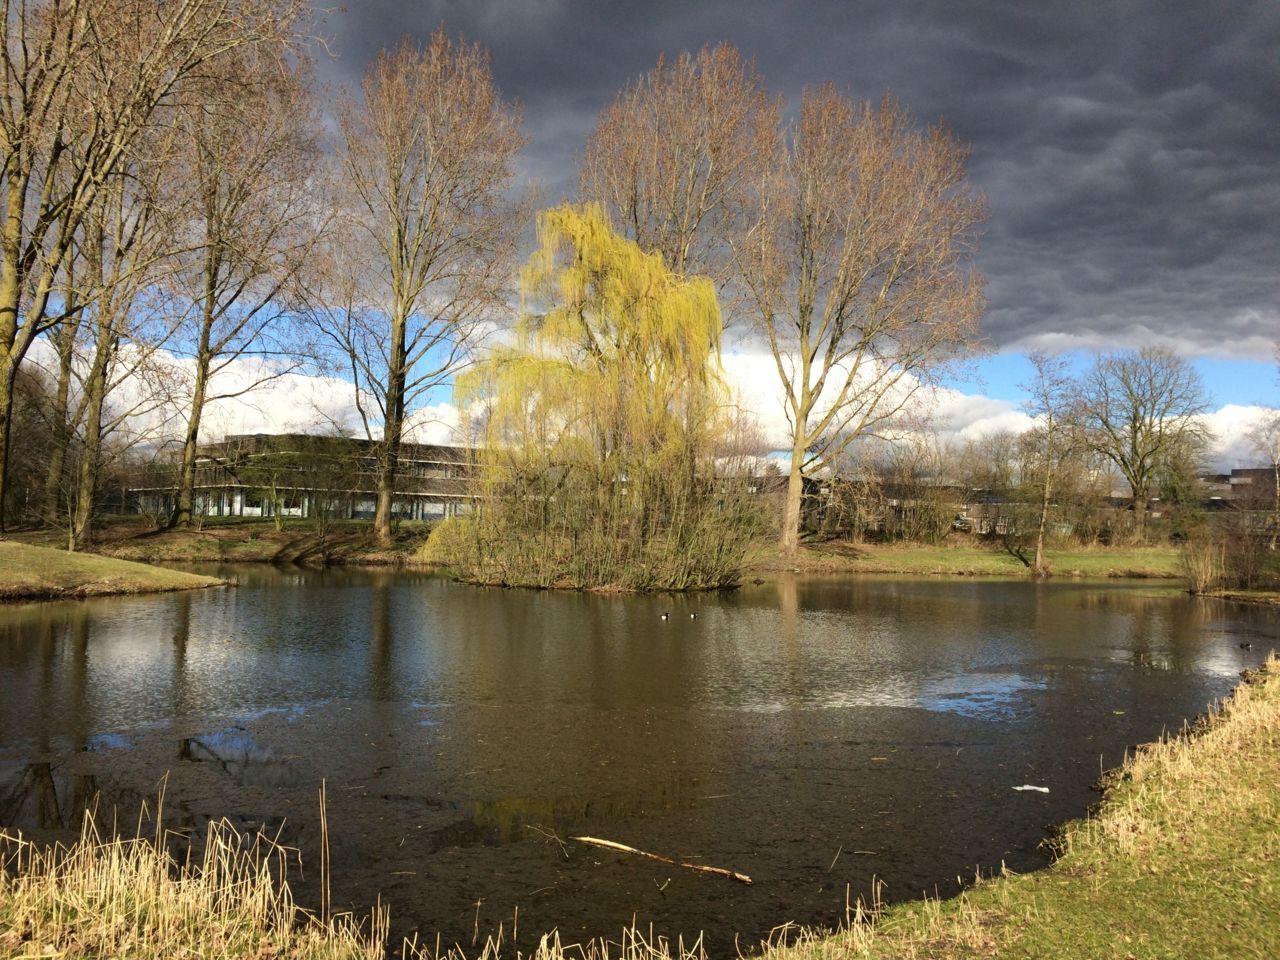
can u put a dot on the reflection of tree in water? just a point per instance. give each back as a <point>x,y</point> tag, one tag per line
<point>181,639</point>
<point>38,801</point>
<point>45,796</point>
<point>381,639</point>
<point>1158,631</point>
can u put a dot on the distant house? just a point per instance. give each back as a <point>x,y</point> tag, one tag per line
<point>303,475</point>
<point>1252,483</point>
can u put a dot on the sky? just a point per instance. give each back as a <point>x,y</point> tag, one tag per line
<point>1129,151</point>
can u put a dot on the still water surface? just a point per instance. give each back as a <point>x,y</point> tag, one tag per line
<point>812,733</point>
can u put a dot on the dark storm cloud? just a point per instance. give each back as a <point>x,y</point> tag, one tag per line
<point>1130,151</point>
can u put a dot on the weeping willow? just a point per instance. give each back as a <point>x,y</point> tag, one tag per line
<point>602,429</point>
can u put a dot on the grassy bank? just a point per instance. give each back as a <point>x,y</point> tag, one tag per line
<point>29,572</point>
<point>972,559</point>
<point>249,541</point>
<point>1270,598</point>
<point>1182,860</point>
<point>351,542</point>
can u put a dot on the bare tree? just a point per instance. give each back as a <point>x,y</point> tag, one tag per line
<point>857,260</point>
<point>1141,410</point>
<point>991,461</point>
<point>82,80</point>
<point>428,159</point>
<point>124,256</point>
<point>672,158</point>
<point>1053,438</point>
<point>252,150</point>
<point>61,420</point>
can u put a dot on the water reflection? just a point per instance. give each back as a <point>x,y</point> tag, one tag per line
<point>464,733</point>
<point>236,753</point>
<point>48,798</point>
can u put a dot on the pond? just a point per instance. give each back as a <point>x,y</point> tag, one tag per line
<point>811,733</point>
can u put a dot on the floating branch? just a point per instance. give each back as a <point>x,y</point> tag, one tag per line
<point>623,848</point>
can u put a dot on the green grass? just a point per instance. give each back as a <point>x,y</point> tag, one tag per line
<point>236,540</point>
<point>971,559</point>
<point>34,572</point>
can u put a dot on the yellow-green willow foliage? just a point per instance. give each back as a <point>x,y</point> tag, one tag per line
<point>603,427</point>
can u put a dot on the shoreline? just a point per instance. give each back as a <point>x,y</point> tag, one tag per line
<point>151,556</point>
<point>972,559</point>
<point>36,573</point>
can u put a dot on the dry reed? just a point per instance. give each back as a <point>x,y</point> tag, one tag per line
<point>116,897</point>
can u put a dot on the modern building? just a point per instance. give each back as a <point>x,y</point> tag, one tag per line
<point>303,475</point>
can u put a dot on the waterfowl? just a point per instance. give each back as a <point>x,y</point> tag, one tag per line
<point>666,616</point>
<point>1246,646</point>
<point>693,616</point>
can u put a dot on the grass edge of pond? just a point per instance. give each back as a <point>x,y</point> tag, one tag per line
<point>1182,858</point>
<point>29,572</point>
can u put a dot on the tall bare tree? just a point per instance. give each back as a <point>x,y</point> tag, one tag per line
<point>428,159</point>
<point>125,256</point>
<point>1141,410</point>
<point>252,140</point>
<point>858,263</point>
<point>82,80</point>
<point>673,157</point>
<point>1052,439</point>
<point>64,339</point>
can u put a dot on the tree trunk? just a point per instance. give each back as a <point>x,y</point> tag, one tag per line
<point>388,460</point>
<point>1041,567</point>
<point>87,487</point>
<point>61,426</point>
<point>1275,515</point>
<point>8,374</point>
<point>791,512</point>
<point>1140,498</point>
<point>393,427</point>
<point>10,304</point>
<point>187,473</point>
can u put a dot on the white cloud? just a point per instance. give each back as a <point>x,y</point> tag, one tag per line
<point>280,403</point>
<point>1231,446</point>
<point>436,423</point>
<point>753,379</point>
<point>292,401</point>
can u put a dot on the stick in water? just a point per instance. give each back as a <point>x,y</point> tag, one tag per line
<point>623,848</point>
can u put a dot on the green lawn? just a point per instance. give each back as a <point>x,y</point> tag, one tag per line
<point>223,540</point>
<point>34,572</point>
<point>972,559</point>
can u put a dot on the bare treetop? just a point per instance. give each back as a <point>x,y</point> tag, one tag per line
<point>1140,409</point>
<point>429,155</point>
<point>672,156</point>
